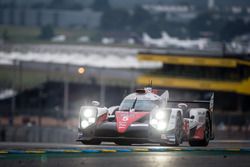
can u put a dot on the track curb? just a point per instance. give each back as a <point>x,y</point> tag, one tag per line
<point>117,150</point>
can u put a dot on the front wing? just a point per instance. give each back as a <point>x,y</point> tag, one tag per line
<point>136,133</point>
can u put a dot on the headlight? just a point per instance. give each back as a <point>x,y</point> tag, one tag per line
<point>160,115</point>
<point>91,120</point>
<point>88,113</point>
<point>161,125</point>
<point>153,121</point>
<point>158,120</point>
<point>87,117</point>
<point>84,124</point>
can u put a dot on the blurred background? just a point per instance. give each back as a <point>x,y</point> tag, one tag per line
<point>56,55</point>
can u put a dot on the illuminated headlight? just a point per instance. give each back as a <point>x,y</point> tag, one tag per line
<point>84,124</point>
<point>87,113</point>
<point>161,125</point>
<point>153,121</point>
<point>160,115</point>
<point>87,117</point>
<point>91,120</point>
<point>158,120</point>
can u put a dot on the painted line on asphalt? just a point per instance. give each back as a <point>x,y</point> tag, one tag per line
<point>141,150</point>
<point>16,151</point>
<point>3,152</point>
<point>54,151</point>
<point>124,150</point>
<point>114,150</point>
<point>157,149</point>
<point>72,151</point>
<point>108,150</point>
<point>176,149</point>
<point>90,151</point>
<point>35,152</point>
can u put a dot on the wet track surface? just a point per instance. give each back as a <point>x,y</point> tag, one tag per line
<point>218,153</point>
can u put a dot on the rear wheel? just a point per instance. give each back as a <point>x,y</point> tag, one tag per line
<point>91,142</point>
<point>205,141</point>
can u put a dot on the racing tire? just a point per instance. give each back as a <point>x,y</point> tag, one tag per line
<point>205,141</point>
<point>122,143</point>
<point>91,142</point>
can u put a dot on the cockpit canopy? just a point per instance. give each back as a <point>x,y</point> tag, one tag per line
<point>138,105</point>
<point>142,100</point>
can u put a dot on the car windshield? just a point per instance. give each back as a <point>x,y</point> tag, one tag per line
<point>138,105</point>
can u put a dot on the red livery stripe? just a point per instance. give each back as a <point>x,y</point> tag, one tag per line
<point>125,119</point>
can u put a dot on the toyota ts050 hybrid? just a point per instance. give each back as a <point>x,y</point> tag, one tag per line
<point>146,117</point>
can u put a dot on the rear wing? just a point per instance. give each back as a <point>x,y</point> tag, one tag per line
<point>208,103</point>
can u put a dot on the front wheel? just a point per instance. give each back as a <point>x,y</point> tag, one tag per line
<point>91,142</point>
<point>205,141</point>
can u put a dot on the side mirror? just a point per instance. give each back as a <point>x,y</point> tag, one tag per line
<point>182,106</point>
<point>95,103</point>
<point>192,117</point>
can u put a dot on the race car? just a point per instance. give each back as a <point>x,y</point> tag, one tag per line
<point>146,116</point>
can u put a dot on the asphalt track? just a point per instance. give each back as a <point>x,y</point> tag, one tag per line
<point>218,153</point>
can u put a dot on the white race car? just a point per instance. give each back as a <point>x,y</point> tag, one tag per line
<point>146,117</point>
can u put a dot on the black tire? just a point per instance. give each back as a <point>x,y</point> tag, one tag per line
<point>91,142</point>
<point>206,139</point>
<point>178,132</point>
<point>122,143</point>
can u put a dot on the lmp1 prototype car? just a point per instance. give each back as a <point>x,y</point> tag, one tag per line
<point>146,117</point>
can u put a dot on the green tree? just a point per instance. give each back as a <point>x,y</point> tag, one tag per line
<point>46,32</point>
<point>5,35</point>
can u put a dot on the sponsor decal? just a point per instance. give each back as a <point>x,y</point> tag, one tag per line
<point>125,119</point>
<point>201,113</point>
